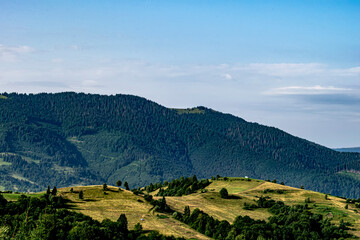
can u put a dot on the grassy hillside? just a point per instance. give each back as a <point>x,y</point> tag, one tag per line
<point>248,191</point>
<point>70,139</point>
<point>109,204</point>
<point>115,202</point>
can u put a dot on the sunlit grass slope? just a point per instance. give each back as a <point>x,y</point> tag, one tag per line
<point>114,202</point>
<point>248,190</point>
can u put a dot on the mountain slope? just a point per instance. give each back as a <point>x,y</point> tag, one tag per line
<point>75,139</point>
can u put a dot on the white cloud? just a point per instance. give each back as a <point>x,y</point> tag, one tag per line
<point>317,89</point>
<point>11,53</point>
<point>228,76</point>
<point>286,69</point>
<point>355,71</point>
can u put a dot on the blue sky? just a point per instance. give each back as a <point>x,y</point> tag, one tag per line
<point>294,65</point>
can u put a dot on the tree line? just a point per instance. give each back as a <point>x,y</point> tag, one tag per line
<point>178,187</point>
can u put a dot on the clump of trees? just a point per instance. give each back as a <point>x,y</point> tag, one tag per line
<point>278,191</point>
<point>159,205</point>
<point>179,187</point>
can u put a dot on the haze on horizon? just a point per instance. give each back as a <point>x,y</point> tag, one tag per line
<point>294,65</point>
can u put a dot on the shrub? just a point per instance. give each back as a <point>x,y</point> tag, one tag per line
<point>224,193</point>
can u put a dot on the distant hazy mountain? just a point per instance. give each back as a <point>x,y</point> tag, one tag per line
<point>353,149</point>
<point>68,139</point>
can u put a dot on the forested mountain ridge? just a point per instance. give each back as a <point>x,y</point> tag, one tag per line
<point>74,138</point>
<point>352,149</point>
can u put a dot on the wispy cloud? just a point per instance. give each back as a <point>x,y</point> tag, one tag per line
<point>311,90</point>
<point>355,71</point>
<point>286,69</point>
<point>11,53</point>
<point>228,76</point>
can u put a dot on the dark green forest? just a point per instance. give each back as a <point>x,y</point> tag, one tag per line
<point>68,139</point>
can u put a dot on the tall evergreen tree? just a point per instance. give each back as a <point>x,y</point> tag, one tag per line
<point>54,191</point>
<point>123,223</point>
<point>81,194</point>
<point>187,211</point>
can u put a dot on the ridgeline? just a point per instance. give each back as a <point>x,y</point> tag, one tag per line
<point>69,139</point>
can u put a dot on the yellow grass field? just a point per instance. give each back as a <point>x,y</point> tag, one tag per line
<point>223,209</point>
<point>100,206</point>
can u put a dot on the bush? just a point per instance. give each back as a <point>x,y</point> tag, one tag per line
<point>224,193</point>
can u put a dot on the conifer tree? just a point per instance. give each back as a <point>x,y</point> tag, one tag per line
<point>187,211</point>
<point>81,194</point>
<point>54,191</point>
<point>123,223</point>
